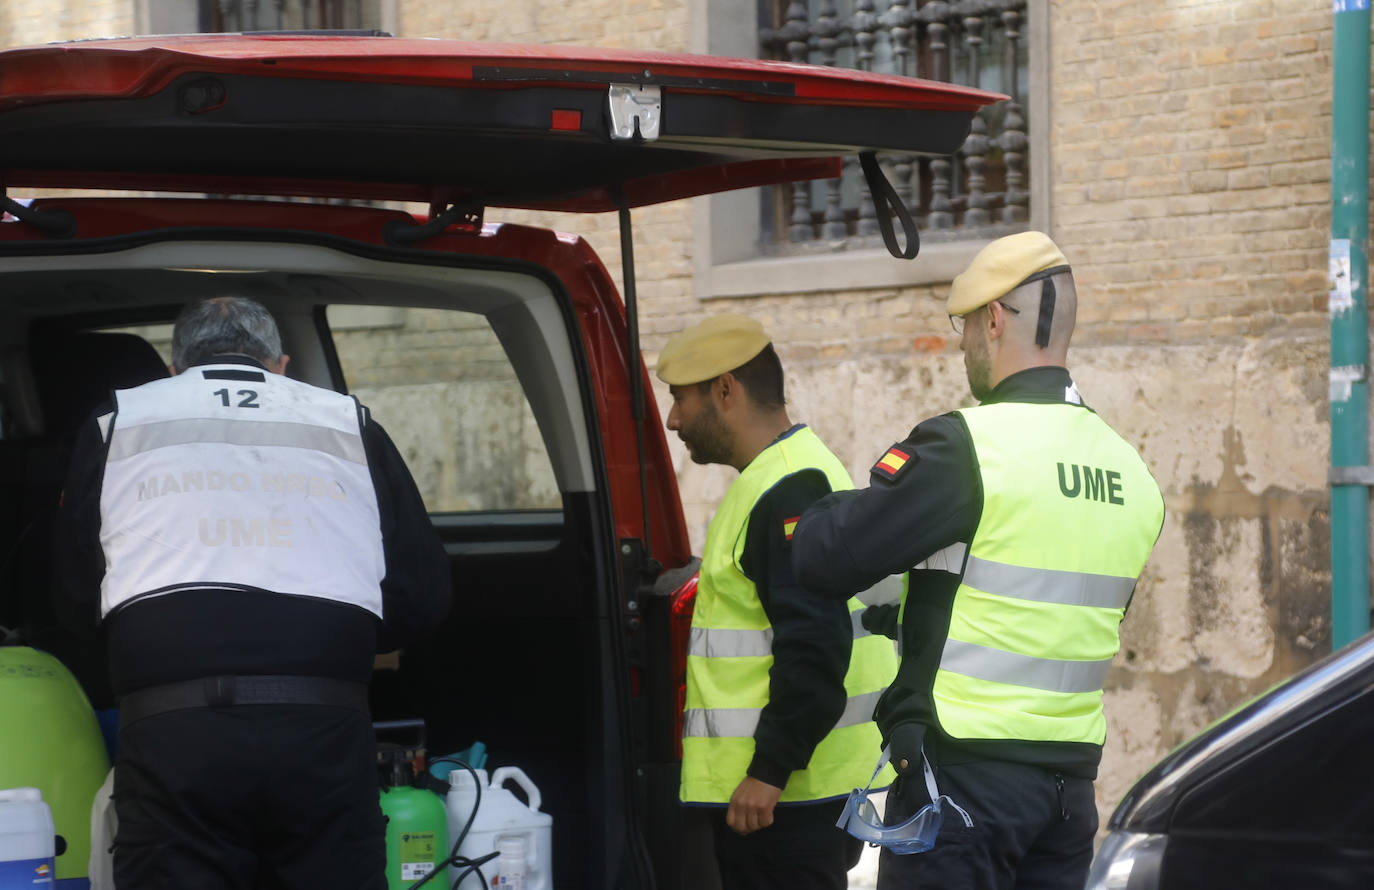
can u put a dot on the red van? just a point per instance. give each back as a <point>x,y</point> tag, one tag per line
<point>501,358</point>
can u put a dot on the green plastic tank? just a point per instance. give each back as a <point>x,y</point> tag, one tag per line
<point>416,825</point>
<point>50,740</point>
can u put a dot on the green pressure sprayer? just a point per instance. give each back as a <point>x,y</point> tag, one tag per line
<point>416,815</point>
<point>416,820</point>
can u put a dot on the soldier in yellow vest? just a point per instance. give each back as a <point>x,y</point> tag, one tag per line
<point>1026,522</point>
<point>781,683</point>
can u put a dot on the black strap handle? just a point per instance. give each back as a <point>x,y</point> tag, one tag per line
<point>53,223</point>
<point>404,234</point>
<point>888,203</point>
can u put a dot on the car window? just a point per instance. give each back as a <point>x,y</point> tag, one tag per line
<point>441,384</point>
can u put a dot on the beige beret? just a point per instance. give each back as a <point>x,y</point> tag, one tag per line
<point>709,348</point>
<point>1000,267</point>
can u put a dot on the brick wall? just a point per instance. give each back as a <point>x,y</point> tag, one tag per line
<point>1191,150</point>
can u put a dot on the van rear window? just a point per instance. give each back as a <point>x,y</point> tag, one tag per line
<point>441,384</point>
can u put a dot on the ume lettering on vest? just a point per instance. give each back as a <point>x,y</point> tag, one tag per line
<point>1094,484</point>
<point>239,532</point>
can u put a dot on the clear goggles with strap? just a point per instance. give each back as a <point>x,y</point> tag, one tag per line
<point>860,818</point>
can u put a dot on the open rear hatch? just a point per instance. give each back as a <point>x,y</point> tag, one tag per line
<point>442,122</point>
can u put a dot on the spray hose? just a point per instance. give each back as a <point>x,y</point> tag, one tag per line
<point>463,862</point>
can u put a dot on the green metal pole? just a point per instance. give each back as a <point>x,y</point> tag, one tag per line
<point>1349,309</point>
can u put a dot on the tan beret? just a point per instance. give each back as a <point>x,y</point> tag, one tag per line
<point>1000,267</point>
<point>710,348</point>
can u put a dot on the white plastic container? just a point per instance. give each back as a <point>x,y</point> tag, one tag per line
<point>28,840</point>
<point>519,832</point>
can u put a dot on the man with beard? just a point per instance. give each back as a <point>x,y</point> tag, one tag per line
<point>1026,522</point>
<point>781,682</point>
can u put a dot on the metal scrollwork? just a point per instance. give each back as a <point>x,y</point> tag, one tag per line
<point>971,42</point>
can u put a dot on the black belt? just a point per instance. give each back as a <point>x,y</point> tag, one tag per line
<point>228,691</point>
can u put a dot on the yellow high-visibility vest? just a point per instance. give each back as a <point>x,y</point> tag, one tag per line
<point>731,652</point>
<point>1070,515</point>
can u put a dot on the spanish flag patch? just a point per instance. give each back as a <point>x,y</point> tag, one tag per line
<point>789,525</point>
<point>891,463</point>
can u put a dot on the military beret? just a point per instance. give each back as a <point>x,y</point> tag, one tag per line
<point>709,348</point>
<point>1000,268</point>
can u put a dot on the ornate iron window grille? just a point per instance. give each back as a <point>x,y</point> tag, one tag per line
<point>983,191</point>
<point>228,16</point>
<point>287,15</point>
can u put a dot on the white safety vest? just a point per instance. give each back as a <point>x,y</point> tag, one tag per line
<point>227,476</point>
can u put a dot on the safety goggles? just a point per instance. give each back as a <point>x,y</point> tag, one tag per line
<point>917,834</point>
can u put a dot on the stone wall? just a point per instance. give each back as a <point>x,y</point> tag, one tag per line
<point>442,387</point>
<point>29,22</point>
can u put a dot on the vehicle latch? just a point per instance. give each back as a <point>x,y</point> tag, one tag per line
<point>635,111</point>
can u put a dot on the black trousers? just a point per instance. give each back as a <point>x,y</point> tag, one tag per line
<point>1032,830</point>
<point>253,796</point>
<point>801,850</point>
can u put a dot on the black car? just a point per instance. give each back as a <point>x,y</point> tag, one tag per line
<point>1278,794</point>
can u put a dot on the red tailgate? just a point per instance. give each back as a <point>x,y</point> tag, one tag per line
<point>439,121</point>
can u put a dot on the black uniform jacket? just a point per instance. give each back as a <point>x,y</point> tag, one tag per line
<point>849,540</point>
<point>206,632</point>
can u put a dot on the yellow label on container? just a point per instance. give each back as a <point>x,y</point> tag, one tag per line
<point>417,854</point>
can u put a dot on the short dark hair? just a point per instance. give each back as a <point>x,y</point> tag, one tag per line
<point>761,377</point>
<point>224,326</point>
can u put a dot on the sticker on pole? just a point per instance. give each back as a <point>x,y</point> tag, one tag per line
<point>1338,297</point>
<point>1340,6</point>
<point>1342,380</point>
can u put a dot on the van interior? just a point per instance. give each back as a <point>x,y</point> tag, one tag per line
<point>477,371</point>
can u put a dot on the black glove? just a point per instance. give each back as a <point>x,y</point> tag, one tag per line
<point>905,741</point>
<point>881,620</point>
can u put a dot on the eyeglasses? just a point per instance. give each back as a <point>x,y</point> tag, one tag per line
<point>957,321</point>
<point>917,834</point>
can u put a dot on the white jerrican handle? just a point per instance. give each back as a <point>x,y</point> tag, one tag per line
<point>499,778</point>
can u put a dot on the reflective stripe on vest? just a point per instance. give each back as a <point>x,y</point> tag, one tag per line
<point>718,723</point>
<point>163,434</point>
<point>1049,585</point>
<point>1048,575</point>
<point>730,653</point>
<point>231,477</point>
<point>720,642</point>
<point>950,559</point>
<point>1050,674</point>
<point>889,590</point>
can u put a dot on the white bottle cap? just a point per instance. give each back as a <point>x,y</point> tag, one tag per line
<point>459,779</point>
<point>512,850</point>
<point>21,795</point>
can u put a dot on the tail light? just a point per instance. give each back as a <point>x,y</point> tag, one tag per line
<point>684,601</point>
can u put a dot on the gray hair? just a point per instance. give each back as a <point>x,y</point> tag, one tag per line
<point>224,326</point>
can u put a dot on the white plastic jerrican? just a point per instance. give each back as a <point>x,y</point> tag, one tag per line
<point>28,840</point>
<point>503,824</point>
